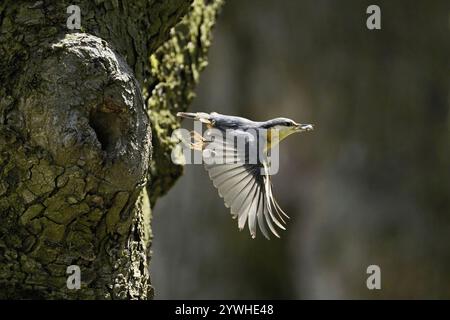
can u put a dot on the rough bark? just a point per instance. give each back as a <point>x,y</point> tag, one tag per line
<point>75,138</point>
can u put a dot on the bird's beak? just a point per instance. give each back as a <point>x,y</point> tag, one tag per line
<point>304,127</point>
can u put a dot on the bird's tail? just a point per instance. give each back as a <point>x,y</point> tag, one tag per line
<point>187,115</point>
<point>200,116</point>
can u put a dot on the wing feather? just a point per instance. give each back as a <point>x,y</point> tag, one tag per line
<point>268,219</point>
<point>261,217</point>
<point>245,190</point>
<point>244,210</point>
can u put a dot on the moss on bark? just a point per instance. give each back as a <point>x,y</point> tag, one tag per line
<point>175,72</point>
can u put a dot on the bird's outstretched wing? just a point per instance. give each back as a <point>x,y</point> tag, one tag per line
<point>245,187</point>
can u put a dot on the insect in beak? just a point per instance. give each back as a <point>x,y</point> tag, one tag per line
<point>303,127</point>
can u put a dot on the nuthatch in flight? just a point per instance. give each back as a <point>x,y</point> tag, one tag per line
<point>245,185</point>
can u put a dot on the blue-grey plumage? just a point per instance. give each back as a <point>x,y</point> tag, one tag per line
<point>245,187</point>
<point>223,122</point>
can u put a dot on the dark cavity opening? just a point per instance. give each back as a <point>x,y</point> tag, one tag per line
<point>108,128</point>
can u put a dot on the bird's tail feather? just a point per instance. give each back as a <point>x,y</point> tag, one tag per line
<point>200,116</point>
<point>187,115</point>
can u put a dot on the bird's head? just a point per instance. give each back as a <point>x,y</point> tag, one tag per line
<point>286,127</point>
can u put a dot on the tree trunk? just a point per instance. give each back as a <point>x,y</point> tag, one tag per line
<point>77,169</point>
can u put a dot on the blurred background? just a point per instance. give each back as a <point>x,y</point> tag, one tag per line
<point>369,186</point>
